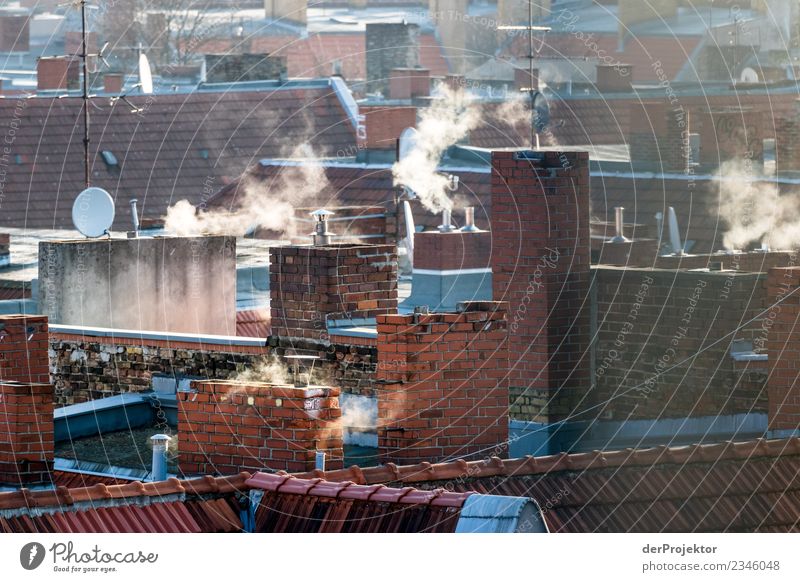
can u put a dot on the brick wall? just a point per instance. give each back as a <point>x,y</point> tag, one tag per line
<point>540,264</point>
<point>452,250</point>
<point>26,433</point>
<point>664,340</point>
<point>407,83</point>
<point>783,348</point>
<point>57,73</point>
<point>308,284</point>
<point>227,427</point>
<point>26,401</point>
<point>23,349</point>
<point>444,378</point>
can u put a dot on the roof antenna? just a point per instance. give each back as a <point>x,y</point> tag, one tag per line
<point>532,54</point>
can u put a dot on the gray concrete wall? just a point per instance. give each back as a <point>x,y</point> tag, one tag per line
<point>185,284</point>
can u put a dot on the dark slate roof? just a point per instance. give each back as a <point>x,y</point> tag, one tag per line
<point>740,487</point>
<point>184,145</point>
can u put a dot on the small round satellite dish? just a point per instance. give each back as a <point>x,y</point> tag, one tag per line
<point>749,75</point>
<point>93,212</point>
<point>408,141</point>
<point>145,75</point>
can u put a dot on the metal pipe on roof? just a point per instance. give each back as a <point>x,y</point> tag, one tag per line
<point>160,444</point>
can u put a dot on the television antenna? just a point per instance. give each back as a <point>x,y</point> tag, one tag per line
<point>530,28</point>
<point>93,212</point>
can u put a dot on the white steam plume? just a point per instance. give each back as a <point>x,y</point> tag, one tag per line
<point>269,207</point>
<point>756,212</point>
<point>446,121</point>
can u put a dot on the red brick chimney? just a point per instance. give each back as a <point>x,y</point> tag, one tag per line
<point>26,401</point>
<point>225,427</point>
<point>540,266</point>
<point>445,392</point>
<point>783,348</point>
<point>385,124</point>
<point>311,284</point>
<point>407,83</point>
<point>57,73</point>
<point>113,83</point>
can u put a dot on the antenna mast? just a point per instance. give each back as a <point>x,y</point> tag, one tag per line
<point>84,54</point>
<point>531,90</point>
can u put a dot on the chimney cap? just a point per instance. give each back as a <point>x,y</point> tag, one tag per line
<point>160,438</point>
<point>322,212</point>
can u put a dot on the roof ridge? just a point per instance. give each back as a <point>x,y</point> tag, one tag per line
<point>530,465</point>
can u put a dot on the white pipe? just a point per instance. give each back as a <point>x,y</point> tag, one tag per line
<point>674,234</point>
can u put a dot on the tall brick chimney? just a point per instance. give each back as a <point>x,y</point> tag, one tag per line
<point>225,427</point>
<point>540,266</point>
<point>310,285</point>
<point>783,348</point>
<point>445,391</point>
<point>26,401</point>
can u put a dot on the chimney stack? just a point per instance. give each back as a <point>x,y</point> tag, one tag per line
<point>783,350</point>
<point>113,83</point>
<point>57,73</point>
<point>614,78</point>
<point>5,249</point>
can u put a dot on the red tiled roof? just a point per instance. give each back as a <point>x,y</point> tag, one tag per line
<point>71,480</point>
<point>313,505</point>
<point>315,55</point>
<point>366,186</point>
<point>181,146</point>
<point>751,486</point>
<point>209,504</point>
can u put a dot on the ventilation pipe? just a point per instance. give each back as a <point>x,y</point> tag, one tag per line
<point>469,220</point>
<point>322,237</point>
<point>134,218</point>
<point>160,444</point>
<point>319,460</point>
<point>619,225</point>
<point>674,234</point>
<point>447,221</point>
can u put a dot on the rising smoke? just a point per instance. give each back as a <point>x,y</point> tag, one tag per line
<point>267,207</point>
<point>755,211</point>
<point>449,119</point>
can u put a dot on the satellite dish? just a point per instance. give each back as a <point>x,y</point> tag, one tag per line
<point>145,75</point>
<point>408,141</point>
<point>541,112</point>
<point>93,212</point>
<point>749,75</point>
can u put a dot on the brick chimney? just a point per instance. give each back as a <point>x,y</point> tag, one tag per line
<point>450,267</point>
<point>444,377</point>
<point>408,83</point>
<point>311,284</point>
<point>26,401</point>
<point>614,78</point>
<point>24,343</point>
<point>57,73</point>
<point>540,266</point>
<point>389,45</point>
<point>113,82</point>
<point>783,348</point>
<point>225,427</point>
<point>385,124</point>
<point>659,137</point>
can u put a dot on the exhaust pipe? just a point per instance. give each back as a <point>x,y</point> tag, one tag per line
<point>469,220</point>
<point>619,225</point>
<point>322,237</point>
<point>674,234</point>
<point>134,218</point>
<point>447,221</point>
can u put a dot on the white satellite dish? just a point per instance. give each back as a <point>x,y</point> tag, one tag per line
<point>408,141</point>
<point>145,75</point>
<point>93,212</point>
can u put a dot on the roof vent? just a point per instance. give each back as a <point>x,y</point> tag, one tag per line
<point>109,158</point>
<point>321,234</point>
<point>469,220</point>
<point>619,225</point>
